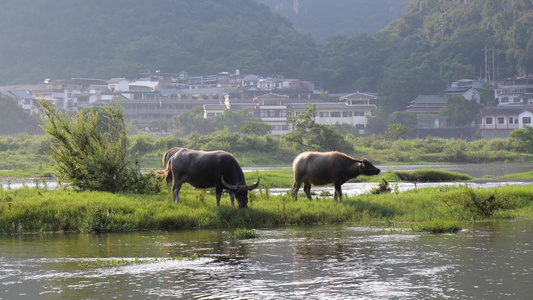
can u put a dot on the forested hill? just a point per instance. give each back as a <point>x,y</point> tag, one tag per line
<point>440,41</point>
<point>323,18</point>
<point>435,43</point>
<point>104,39</point>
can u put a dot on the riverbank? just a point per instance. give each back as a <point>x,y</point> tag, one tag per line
<point>31,210</point>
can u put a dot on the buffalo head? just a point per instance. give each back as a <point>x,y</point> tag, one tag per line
<point>240,191</point>
<point>367,168</point>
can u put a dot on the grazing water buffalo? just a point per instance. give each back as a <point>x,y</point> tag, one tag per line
<point>331,167</point>
<point>203,170</point>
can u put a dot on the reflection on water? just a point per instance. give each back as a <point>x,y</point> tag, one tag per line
<point>334,262</point>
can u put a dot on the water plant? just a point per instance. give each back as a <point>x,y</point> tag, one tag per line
<point>115,262</point>
<point>243,233</point>
<point>437,226</point>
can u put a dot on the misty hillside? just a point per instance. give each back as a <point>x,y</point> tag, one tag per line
<point>323,18</point>
<point>435,43</point>
<point>99,38</point>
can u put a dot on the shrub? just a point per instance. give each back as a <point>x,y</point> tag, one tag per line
<point>89,151</point>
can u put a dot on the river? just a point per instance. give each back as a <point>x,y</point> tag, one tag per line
<point>488,261</point>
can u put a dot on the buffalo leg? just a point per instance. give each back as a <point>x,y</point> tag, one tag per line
<point>232,198</point>
<point>218,195</point>
<point>176,190</point>
<point>307,189</point>
<point>338,192</point>
<point>295,187</point>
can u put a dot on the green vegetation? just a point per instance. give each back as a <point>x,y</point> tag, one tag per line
<point>38,210</point>
<point>431,175</point>
<point>89,151</point>
<point>13,119</point>
<point>25,154</point>
<point>99,263</point>
<point>243,233</point>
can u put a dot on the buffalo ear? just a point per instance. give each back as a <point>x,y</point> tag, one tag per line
<point>253,186</point>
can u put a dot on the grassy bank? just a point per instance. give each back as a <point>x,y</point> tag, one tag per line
<point>279,178</point>
<point>33,210</point>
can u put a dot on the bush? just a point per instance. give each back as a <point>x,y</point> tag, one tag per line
<point>89,151</point>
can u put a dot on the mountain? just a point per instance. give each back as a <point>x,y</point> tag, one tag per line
<point>432,44</point>
<point>323,18</point>
<point>99,38</point>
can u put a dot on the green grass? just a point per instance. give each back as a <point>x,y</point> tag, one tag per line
<point>431,175</point>
<point>279,178</point>
<point>32,210</point>
<point>243,233</point>
<point>524,175</point>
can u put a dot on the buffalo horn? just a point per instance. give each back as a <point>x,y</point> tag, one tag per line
<point>237,187</point>
<point>253,186</point>
<point>229,186</point>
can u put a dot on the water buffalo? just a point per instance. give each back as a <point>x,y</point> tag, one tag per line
<point>207,169</point>
<point>331,167</point>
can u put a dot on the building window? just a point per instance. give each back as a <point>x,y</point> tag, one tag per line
<point>336,114</point>
<point>511,120</point>
<point>346,114</point>
<point>526,120</point>
<point>501,120</point>
<point>323,114</point>
<point>263,113</point>
<point>488,120</point>
<point>505,100</point>
<point>359,114</point>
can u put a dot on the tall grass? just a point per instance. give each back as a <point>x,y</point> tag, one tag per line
<point>37,210</point>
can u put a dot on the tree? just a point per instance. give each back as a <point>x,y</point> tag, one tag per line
<point>461,112</point>
<point>13,119</point>
<point>524,138</point>
<point>89,150</point>
<point>314,136</point>
<point>395,131</point>
<point>232,119</point>
<point>255,128</point>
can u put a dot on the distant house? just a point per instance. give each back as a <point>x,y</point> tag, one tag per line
<point>118,85</point>
<point>427,108</point>
<point>275,109</point>
<point>24,100</point>
<point>467,88</point>
<point>272,109</point>
<point>498,122</point>
<point>427,104</point>
<point>514,91</point>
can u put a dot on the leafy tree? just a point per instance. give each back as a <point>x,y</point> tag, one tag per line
<point>192,121</point>
<point>89,151</point>
<point>14,119</point>
<point>232,119</point>
<point>395,131</point>
<point>462,112</point>
<point>524,138</point>
<point>314,136</point>
<point>255,128</point>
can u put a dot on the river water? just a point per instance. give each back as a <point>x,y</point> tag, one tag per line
<point>488,261</point>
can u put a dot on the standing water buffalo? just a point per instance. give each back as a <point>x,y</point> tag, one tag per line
<point>331,167</point>
<point>203,170</point>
